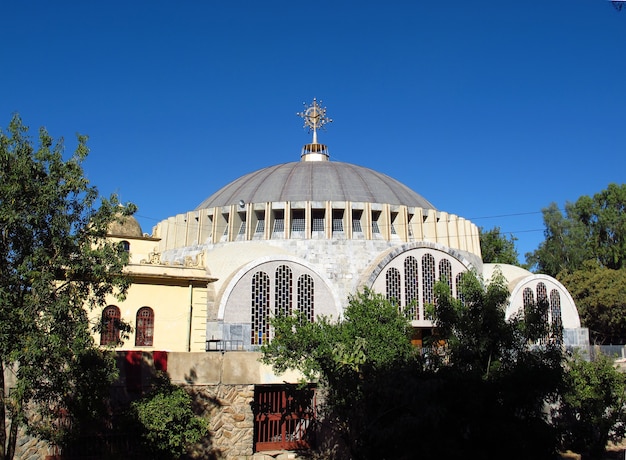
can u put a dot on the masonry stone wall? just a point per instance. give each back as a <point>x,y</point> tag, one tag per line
<point>231,420</point>
<point>222,388</point>
<point>231,426</point>
<point>30,448</point>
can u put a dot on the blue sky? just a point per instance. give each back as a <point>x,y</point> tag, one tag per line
<point>491,110</point>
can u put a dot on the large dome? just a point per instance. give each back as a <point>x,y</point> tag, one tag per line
<point>316,181</point>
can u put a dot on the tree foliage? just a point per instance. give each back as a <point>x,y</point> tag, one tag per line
<point>586,250</point>
<point>475,389</point>
<point>593,228</point>
<point>348,356</point>
<point>54,262</point>
<point>600,296</point>
<point>498,384</point>
<point>497,248</point>
<point>592,409</point>
<point>166,422</point>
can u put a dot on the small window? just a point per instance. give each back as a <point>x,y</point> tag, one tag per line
<point>356,221</point>
<point>392,286</point>
<point>445,272</point>
<point>555,309</point>
<point>337,220</point>
<point>260,223</point>
<point>110,334</point>
<point>411,287</point>
<point>242,225</point>
<point>145,327</point>
<point>394,217</point>
<point>375,218</point>
<point>306,296</point>
<point>428,279</point>
<point>283,290</point>
<point>278,224</point>
<point>318,222</point>
<point>210,225</point>
<point>260,303</point>
<point>225,229</point>
<point>297,220</point>
<point>125,245</point>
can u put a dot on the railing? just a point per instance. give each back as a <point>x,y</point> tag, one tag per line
<point>224,345</point>
<point>612,351</point>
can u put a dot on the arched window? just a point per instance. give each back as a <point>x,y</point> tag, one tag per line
<point>125,245</point>
<point>542,299</point>
<point>306,297</point>
<point>445,272</point>
<point>144,335</point>
<point>428,278</point>
<point>392,286</point>
<point>411,287</point>
<point>555,308</point>
<point>528,299</point>
<point>260,303</point>
<point>283,291</point>
<point>110,334</point>
<point>459,287</point>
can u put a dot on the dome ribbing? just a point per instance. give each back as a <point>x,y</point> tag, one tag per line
<point>316,181</point>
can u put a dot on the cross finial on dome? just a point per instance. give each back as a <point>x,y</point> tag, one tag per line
<point>314,118</point>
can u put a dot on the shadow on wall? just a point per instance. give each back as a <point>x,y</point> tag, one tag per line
<point>143,372</point>
<point>141,375</point>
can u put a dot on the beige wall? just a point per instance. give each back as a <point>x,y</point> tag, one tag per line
<point>178,312</point>
<point>212,368</point>
<point>176,293</point>
<point>207,226</point>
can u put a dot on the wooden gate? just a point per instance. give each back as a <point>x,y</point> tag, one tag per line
<point>282,417</point>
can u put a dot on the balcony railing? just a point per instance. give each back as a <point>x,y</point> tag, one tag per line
<point>224,345</point>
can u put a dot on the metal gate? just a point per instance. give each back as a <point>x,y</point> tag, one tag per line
<point>282,417</point>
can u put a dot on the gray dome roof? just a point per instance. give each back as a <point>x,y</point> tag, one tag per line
<point>316,181</point>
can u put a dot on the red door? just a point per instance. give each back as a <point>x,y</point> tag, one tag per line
<point>283,415</point>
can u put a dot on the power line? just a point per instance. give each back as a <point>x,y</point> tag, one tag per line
<point>505,215</point>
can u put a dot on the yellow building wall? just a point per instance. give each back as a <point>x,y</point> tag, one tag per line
<point>179,316</point>
<point>177,295</point>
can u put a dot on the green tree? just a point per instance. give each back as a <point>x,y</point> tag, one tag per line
<point>586,250</point>
<point>349,358</point>
<point>593,228</point>
<point>54,263</point>
<point>167,424</point>
<point>600,296</point>
<point>475,389</point>
<point>592,410</point>
<point>497,248</point>
<point>498,384</point>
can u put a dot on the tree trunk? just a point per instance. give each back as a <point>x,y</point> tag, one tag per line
<point>10,451</point>
<point>3,425</point>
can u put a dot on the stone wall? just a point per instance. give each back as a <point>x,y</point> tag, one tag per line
<point>231,421</point>
<point>222,387</point>
<point>231,425</point>
<point>30,448</point>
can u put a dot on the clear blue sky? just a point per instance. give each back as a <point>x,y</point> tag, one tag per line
<point>491,110</point>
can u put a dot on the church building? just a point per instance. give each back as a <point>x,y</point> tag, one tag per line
<point>303,236</point>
